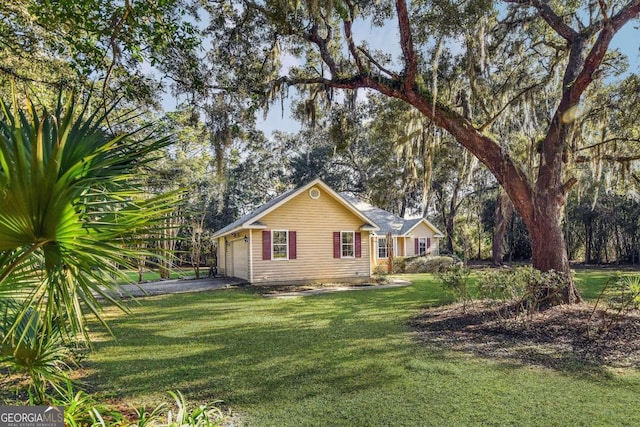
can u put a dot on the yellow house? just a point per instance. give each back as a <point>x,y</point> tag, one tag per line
<point>398,237</point>
<point>309,234</point>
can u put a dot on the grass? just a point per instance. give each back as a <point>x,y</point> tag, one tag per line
<point>342,359</point>
<point>591,282</point>
<point>152,276</point>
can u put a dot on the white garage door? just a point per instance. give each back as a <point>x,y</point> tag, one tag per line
<point>240,259</point>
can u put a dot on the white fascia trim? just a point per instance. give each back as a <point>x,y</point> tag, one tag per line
<point>436,232</point>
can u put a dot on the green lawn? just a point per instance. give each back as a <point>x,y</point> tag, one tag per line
<point>342,359</point>
<point>150,276</point>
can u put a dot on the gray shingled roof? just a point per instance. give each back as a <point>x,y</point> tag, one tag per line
<point>388,222</point>
<point>237,223</point>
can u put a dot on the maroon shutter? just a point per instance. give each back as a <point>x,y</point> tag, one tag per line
<point>417,246</point>
<point>428,245</point>
<point>358,244</point>
<point>293,253</point>
<point>337,250</point>
<point>266,244</point>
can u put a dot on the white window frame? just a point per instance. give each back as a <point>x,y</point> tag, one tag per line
<point>273,244</point>
<point>386,253</point>
<point>422,241</point>
<point>353,244</point>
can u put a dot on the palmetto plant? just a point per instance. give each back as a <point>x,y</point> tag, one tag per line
<point>72,208</point>
<point>33,346</point>
<point>82,409</point>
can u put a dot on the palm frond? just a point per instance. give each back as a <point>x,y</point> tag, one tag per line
<point>72,207</point>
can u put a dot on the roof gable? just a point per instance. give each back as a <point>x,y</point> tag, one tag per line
<point>410,225</point>
<point>251,220</point>
<point>388,222</point>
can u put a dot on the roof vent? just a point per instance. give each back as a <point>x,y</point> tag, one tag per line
<point>314,193</point>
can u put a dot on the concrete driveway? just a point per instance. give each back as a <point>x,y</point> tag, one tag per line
<point>177,286</point>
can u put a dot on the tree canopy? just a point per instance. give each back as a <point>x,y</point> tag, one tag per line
<point>492,74</point>
<point>531,88</point>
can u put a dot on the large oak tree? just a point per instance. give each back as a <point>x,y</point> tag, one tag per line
<point>498,54</point>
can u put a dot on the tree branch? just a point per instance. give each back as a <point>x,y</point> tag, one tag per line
<point>349,37</point>
<point>610,158</point>
<point>606,141</point>
<point>569,184</point>
<point>406,43</point>
<point>550,17</point>
<point>596,55</point>
<point>505,106</point>
<point>378,65</point>
<point>315,38</point>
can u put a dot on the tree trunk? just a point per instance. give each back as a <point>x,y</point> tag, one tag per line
<point>449,223</point>
<point>503,215</point>
<point>549,250</point>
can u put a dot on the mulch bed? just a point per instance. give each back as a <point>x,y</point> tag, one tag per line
<point>563,337</point>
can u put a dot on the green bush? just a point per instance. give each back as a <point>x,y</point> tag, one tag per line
<point>82,409</point>
<point>526,285</point>
<point>400,264</point>
<point>35,347</point>
<point>202,416</point>
<point>625,292</point>
<point>503,284</point>
<point>544,288</point>
<point>455,280</point>
<point>429,264</point>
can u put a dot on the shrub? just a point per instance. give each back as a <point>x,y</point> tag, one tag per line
<point>202,416</point>
<point>429,264</point>
<point>32,346</point>
<point>456,281</point>
<point>400,264</point>
<point>626,292</point>
<point>544,288</point>
<point>380,270</point>
<point>524,285</point>
<point>502,284</point>
<point>82,409</point>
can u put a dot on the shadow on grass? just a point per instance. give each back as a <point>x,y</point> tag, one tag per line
<point>556,338</point>
<point>353,355</point>
<point>248,348</point>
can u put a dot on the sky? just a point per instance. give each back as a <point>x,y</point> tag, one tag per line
<point>627,40</point>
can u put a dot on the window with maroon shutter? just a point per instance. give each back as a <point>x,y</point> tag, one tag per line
<point>358,241</point>
<point>337,251</point>
<point>279,245</point>
<point>293,250</point>
<point>422,246</point>
<point>347,244</point>
<point>266,244</point>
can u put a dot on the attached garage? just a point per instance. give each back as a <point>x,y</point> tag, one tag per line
<point>237,260</point>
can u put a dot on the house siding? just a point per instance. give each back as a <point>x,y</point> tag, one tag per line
<point>421,230</point>
<point>314,221</point>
